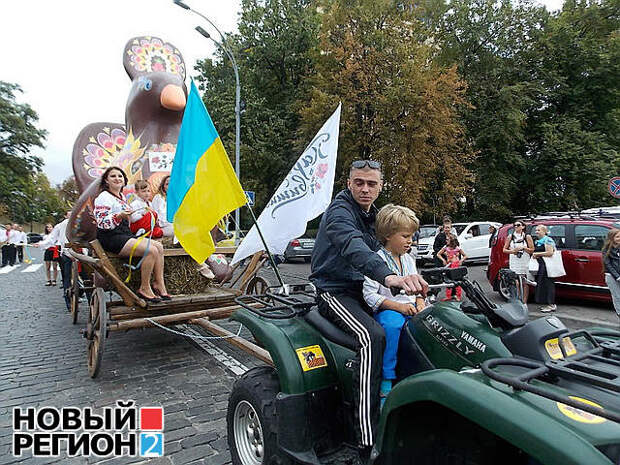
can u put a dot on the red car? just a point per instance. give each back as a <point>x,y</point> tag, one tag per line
<point>580,238</point>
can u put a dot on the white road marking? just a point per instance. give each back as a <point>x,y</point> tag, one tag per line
<point>7,269</point>
<point>32,268</point>
<point>228,361</point>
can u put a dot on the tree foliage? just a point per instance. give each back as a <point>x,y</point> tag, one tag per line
<point>273,52</point>
<point>497,102</point>
<point>400,106</point>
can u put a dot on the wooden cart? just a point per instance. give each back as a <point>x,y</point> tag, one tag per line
<point>131,312</point>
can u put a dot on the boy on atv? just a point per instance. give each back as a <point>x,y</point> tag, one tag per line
<point>344,253</point>
<point>395,226</point>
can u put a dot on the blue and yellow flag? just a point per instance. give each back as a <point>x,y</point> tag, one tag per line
<point>203,187</point>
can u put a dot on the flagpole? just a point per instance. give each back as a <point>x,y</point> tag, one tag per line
<point>260,233</point>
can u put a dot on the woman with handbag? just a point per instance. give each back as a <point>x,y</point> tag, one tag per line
<point>519,246</point>
<point>544,246</point>
<point>611,264</point>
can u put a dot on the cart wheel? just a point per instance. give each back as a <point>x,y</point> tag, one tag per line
<point>96,331</point>
<point>257,285</point>
<point>74,292</point>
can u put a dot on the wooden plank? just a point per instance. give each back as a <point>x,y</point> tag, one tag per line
<point>226,250</point>
<point>126,294</point>
<point>214,313</point>
<point>247,346</point>
<point>250,270</point>
<point>166,308</point>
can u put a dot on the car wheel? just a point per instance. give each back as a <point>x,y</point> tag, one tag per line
<point>251,419</point>
<point>307,259</point>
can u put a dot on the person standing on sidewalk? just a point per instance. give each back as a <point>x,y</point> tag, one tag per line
<point>611,264</point>
<point>58,239</point>
<point>519,246</point>
<point>344,253</point>
<point>544,246</point>
<point>4,241</point>
<point>14,239</point>
<point>23,241</point>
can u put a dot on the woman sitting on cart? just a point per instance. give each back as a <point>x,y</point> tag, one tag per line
<point>111,213</point>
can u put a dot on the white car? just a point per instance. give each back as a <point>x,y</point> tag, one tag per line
<point>473,239</point>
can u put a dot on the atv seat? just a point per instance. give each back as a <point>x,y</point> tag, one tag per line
<point>329,330</point>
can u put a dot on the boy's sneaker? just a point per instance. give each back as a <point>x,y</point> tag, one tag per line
<point>384,390</point>
<point>548,308</point>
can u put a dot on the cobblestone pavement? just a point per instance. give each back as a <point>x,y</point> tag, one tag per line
<point>43,363</point>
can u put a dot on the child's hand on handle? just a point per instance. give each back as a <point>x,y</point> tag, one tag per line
<point>411,284</point>
<point>407,309</point>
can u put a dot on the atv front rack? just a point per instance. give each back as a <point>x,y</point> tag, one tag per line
<point>605,353</point>
<point>280,304</point>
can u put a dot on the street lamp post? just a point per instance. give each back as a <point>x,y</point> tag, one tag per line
<point>231,57</point>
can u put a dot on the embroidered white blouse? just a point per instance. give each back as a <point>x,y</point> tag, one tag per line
<point>375,293</point>
<point>159,205</point>
<point>107,208</point>
<point>140,208</point>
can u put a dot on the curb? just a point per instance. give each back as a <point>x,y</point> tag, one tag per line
<point>581,321</point>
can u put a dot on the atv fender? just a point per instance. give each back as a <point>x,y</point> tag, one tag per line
<point>512,416</point>
<point>289,341</point>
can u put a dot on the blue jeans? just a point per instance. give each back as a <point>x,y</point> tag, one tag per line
<point>392,322</point>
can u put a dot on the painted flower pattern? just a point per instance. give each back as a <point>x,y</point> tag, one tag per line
<point>114,148</point>
<point>151,54</point>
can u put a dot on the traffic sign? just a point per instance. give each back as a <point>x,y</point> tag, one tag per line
<point>251,196</point>
<point>614,187</point>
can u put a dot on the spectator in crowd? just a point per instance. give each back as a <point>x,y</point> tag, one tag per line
<point>544,246</point>
<point>611,263</point>
<point>111,214</point>
<point>452,256</point>
<point>23,241</point>
<point>57,240</point>
<point>493,233</point>
<point>4,240</point>
<point>160,206</point>
<point>441,239</point>
<point>51,257</point>
<point>519,246</point>
<point>14,239</point>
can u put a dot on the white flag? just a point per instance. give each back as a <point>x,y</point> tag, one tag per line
<point>304,194</point>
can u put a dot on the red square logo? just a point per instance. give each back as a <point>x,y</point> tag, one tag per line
<point>152,418</point>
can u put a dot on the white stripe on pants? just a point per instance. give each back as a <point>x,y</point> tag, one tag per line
<point>361,333</point>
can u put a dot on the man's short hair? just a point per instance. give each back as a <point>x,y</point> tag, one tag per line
<point>365,164</point>
<point>447,219</point>
<point>394,218</point>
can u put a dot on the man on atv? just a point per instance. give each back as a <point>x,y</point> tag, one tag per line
<point>344,252</point>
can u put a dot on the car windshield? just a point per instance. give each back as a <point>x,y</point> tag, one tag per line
<point>427,231</point>
<point>459,227</point>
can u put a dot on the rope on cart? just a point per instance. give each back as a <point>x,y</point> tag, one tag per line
<point>193,337</point>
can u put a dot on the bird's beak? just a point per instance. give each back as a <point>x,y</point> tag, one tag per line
<point>173,98</point>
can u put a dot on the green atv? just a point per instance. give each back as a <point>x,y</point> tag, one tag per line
<point>477,384</point>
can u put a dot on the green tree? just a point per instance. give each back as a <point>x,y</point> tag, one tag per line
<point>274,53</point>
<point>37,201</point>
<point>493,43</point>
<point>18,135</point>
<point>400,106</point>
<point>574,140</point>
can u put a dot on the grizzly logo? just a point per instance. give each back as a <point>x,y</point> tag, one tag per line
<point>311,357</point>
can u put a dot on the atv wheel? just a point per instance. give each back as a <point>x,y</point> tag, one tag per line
<point>251,419</point>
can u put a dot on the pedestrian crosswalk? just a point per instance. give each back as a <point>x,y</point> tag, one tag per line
<point>21,268</point>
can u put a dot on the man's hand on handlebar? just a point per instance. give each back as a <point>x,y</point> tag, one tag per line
<point>411,284</point>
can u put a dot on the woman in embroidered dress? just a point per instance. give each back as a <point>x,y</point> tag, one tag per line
<point>111,213</point>
<point>159,205</point>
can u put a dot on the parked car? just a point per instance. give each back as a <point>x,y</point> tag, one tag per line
<point>33,238</point>
<point>473,239</point>
<point>425,242</point>
<point>580,238</point>
<point>299,248</point>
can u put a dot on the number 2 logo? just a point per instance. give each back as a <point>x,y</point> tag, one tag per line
<point>151,444</point>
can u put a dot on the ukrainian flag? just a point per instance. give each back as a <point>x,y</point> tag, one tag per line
<point>203,187</point>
